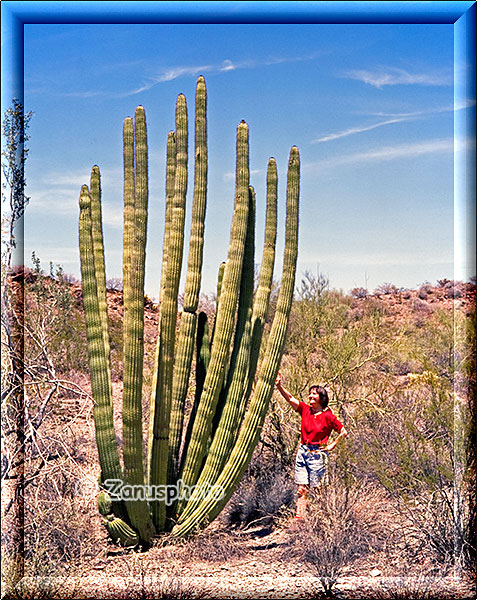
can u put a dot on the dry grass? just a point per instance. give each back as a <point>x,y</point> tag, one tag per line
<point>215,546</point>
<point>144,581</point>
<point>412,588</point>
<point>148,587</point>
<point>43,580</point>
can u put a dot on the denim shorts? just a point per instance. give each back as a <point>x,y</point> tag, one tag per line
<point>310,467</point>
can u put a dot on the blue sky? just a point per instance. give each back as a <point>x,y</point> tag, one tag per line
<point>371,108</point>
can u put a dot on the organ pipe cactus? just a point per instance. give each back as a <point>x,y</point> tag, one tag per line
<point>135,225</point>
<point>209,446</point>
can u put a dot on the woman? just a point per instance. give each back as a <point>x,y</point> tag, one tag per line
<point>317,423</point>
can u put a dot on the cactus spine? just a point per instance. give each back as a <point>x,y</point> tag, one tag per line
<point>213,446</point>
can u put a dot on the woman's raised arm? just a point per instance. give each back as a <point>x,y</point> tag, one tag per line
<point>292,401</point>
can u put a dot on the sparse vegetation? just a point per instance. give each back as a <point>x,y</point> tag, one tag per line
<point>403,482</point>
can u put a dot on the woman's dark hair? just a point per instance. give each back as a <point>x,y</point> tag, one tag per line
<point>322,393</point>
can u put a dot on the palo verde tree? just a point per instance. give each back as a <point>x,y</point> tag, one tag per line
<point>195,463</point>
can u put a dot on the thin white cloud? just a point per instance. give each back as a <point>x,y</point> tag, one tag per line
<point>396,76</point>
<point>408,150</point>
<point>171,73</point>
<point>351,131</point>
<point>459,105</point>
<point>388,153</point>
<point>168,74</point>
<point>394,118</point>
<point>81,176</point>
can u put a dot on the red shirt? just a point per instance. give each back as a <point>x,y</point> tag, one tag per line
<point>316,429</point>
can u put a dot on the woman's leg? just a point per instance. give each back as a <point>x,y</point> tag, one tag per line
<point>302,479</point>
<point>302,501</point>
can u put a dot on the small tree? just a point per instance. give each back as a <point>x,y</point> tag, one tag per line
<point>14,155</point>
<point>385,288</point>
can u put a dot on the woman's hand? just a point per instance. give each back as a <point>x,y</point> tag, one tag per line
<point>294,403</point>
<point>331,446</point>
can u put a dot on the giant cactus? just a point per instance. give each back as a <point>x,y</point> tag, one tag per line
<point>212,446</point>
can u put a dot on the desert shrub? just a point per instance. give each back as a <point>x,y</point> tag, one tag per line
<point>402,367</point>
<point>386,288</point>
<point>420,307</point>
<point>337,530</point>
<point>393,376</point>
<point>168,588</point>
<point>115,284</point>
<point>329,346</point>
<point>43,585</point>
<point>279,439</point>
<point>359,292</point>
<point>357,313</point>
<point>424,291</point>
<point>55,331</point>
<point>207,304</point>
<point>56,542</point>
<point>70,278</point>
<point>433,347</point>
<point>470,287</point>
<point>413,440</point>
<point>266,490</point>
<point>57,525</point>
<point>413,453</point>
<point>452,292</point>
<point>313,287</point>
<point>54,323</point>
